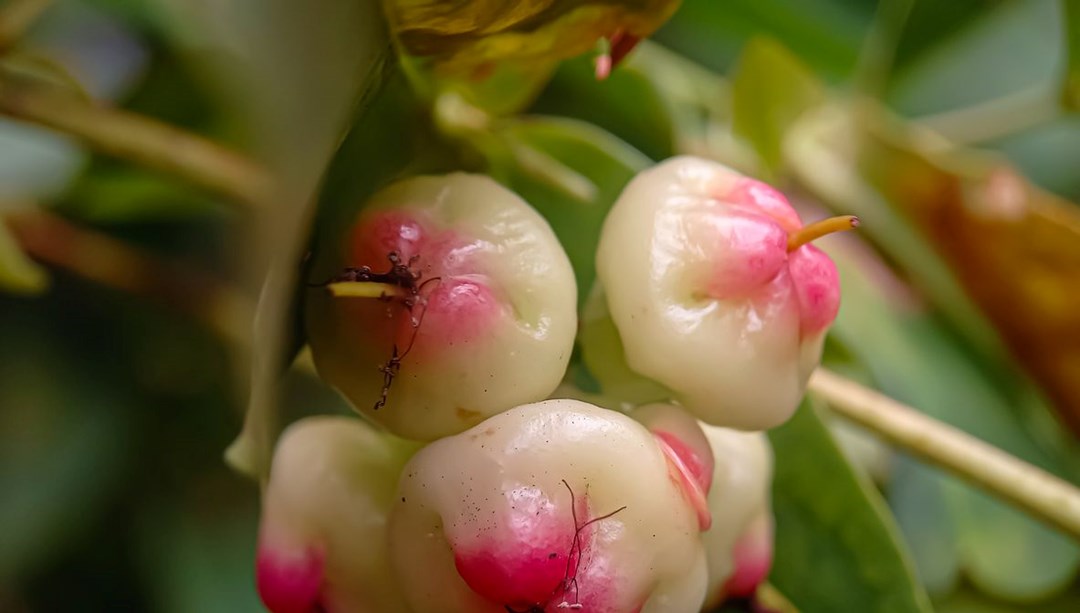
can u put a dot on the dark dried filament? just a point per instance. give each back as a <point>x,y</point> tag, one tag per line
<point>405,276</point>
<point>573,563</point>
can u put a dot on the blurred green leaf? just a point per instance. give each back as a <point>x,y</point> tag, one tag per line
<point>201,559</point>
<point>966,600</point>
<point>826,34</point>
<point>63,449</point>
<point>18,273</point>
<point>627,104</point>
<point>604,358</point>
<point>837,548</point>
<point>1046,154</point>
<point>121,194</point>
<point>390,138</point>
<point>1071,86</point>
<point>931,23</point>
<point>916,360</point>
<point>1010,47</point>
<point>348,44</point>
<point>917,495</point>
<point>604,161</point>
<point>770,90</point>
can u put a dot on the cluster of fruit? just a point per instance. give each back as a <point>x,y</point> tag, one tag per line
<point>487,486</point>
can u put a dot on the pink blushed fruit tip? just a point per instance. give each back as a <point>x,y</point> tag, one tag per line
<point>691,474</point>
<point>532,557</point>
<point>817,286</point>
<point>766,199</point>
<point>289,582</point>
<point>754,251</point>
<point>753,559</point>
<point>523,558</point>
<point>460,304</point>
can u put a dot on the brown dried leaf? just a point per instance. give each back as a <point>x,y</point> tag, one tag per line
<point>1014,247</point>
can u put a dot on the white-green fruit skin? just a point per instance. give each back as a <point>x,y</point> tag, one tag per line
<point>470,498</point>
<point>330,491</point>
<point>740,493</point>
<point>740,362</point>
<point>470,360</point>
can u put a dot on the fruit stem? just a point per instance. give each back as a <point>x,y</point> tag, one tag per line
<point>818,229</point>
<point>363,289</point>
<point>1042,495</point>
<point>137,138</point>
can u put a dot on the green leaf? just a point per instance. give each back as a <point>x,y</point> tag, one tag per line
<point>111,193</point>
<point>18,273</point>
<point>918,361</point>
<point>605,164</point>
<point>307,112</point>
<point>917,494</point>
<point>966,600</point>
<point>627,104</point>
<point>827,34</point>
<point>604,358</point>
<point>770,90</point>
<point>200,559</point>
<point>931,23</point>
<point>1011,47</point>
<point>386,142</point>
<point>1071,86</point>
<point>63,449</point>
<point>837,548</point>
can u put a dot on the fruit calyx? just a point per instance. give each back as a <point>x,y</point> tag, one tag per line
<point>816,230</point>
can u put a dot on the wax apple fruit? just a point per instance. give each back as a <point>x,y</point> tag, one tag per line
<point>322,536</point>
<point>714,292</point>
<point>486,323</point>
<point>546,507</point>
<point>739,542</point>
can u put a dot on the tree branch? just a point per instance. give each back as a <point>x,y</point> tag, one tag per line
<point>137,138</point>
<point>102,259</point>
<point>1049,498</point>
<point>16,17</point>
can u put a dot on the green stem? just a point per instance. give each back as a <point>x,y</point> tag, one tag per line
<point>101,259</point>
<point>16,17</point>
<point>137,138</point>
<point>997,118</point>
<point>1033,490</point>
<point>879,50</point>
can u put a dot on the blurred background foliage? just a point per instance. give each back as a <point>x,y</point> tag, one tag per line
<point>127,346</point>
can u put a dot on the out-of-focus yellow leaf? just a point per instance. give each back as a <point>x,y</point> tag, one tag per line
<point>468,34</point>
<point>770,90</point>
<point>18,273</point>
<point>1014,248</point>
<point>468,43</point>
<point>1071,87</point>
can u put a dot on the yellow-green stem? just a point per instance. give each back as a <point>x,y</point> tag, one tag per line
<point>136,138</point>
<point>363,289</point>
<point>1033,490</point>
<point>16,17</point>
<point>816,230</point>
